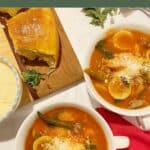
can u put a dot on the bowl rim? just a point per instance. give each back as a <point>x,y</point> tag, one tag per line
<point>28,122</point>
<point>122,111</point>
<point>19,87</point>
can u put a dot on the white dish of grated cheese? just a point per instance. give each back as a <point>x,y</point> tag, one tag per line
<point>10,88</point>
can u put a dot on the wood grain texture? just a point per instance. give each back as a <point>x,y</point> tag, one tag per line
<point>68,71</point>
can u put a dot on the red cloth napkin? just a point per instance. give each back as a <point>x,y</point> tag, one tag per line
<point>139,140</point>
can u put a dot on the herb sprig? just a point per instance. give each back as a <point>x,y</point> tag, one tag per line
<point>105,52</point>
<point>99,15</point>
<point>32,77</point>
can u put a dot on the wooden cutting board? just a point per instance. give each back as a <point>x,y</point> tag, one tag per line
<point>67,72</point>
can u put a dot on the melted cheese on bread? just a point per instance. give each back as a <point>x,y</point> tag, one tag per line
<point>10,11</point>
<point>34,35</point>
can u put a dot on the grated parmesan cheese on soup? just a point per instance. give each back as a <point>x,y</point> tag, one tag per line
<point>131,65</point>
<point>62,144</point>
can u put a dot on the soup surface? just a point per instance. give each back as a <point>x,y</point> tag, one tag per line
<point>65,129</point>
<point>120,68</point>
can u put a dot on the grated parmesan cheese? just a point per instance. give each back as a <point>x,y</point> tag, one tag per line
<point>59,143</point>
<point>132,65</point>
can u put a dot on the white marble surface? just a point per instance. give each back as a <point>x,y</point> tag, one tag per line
<point>80,33</point>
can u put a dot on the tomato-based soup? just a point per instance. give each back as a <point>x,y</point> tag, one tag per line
<point>66,129</point>
<point>120,68</point>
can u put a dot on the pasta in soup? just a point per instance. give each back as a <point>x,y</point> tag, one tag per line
<point>65,128</point>
<point>120,68</point>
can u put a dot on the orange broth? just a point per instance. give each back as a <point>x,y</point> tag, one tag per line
<point>90,129</point>
<point>97,58</point>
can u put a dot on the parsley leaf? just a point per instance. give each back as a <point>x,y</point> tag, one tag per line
<point>105,52</point>
<point>99,15</point>
<point>31,77</point>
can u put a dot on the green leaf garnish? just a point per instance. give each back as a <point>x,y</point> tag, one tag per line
<point>100,44</point>
<point>99,15</point>
<point>105,52</point>
<point>31,77</point>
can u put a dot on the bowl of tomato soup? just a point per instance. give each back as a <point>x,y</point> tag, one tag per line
<point>117,69</point>
<point>67,126</point>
